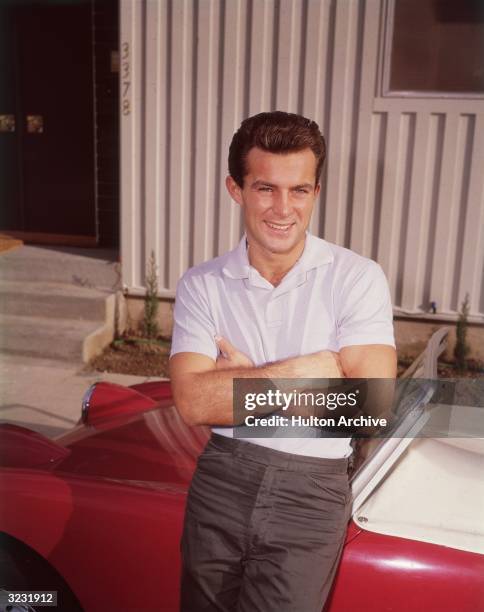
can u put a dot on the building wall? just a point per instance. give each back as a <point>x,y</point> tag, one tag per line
<point>403,183</point>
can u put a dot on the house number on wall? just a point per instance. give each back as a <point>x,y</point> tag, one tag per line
<point>125,79</point>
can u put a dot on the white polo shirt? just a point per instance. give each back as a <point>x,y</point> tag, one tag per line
<point>331,298</point>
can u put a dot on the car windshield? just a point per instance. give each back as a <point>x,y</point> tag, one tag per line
<point>410,398</point>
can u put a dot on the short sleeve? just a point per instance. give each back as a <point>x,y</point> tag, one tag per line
<point>193,327</point>
<point>364,308</point>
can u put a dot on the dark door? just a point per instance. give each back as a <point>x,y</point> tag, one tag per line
<point>47,163</point>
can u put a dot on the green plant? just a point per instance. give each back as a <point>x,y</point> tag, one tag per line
<point>150,326</point>
<point>462,349</point>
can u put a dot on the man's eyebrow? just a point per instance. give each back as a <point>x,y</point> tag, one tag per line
<point>260,183</point>
<point>303,186</point>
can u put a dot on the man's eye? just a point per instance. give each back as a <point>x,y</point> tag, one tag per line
<point>302,190</point>
<point>268,189</point>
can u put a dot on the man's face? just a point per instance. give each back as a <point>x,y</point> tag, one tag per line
<point>277,200</point>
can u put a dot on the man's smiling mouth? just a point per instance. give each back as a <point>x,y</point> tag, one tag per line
<point>279,227</point>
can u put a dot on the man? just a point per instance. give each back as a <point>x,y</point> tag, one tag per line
<point>266,518</point>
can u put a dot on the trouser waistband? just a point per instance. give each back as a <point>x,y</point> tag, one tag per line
<point>276,458</point>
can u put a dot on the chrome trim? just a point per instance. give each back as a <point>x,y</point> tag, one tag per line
<point>86,399</point>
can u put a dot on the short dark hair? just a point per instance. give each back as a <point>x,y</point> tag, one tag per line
<point>276,132</point>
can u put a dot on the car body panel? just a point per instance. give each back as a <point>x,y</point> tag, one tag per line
<point>108,515</point>
<point>116,544</point>
<point>383,573</point>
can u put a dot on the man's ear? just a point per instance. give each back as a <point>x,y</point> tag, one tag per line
<point>234,190</point>
<point>317,189</point>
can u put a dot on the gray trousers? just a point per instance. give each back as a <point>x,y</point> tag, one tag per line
<point>263,531</point>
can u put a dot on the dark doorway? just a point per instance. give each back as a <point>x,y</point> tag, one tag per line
<point>47,165</point>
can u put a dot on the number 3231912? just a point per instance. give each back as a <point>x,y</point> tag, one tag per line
<point>38,598</point>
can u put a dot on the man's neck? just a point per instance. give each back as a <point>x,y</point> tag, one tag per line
<point>274,266</point>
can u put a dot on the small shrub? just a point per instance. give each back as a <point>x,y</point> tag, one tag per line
<point>150,326</point>
<point>462,349</point>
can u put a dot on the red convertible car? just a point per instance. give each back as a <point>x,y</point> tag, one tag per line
<point>96,514</point>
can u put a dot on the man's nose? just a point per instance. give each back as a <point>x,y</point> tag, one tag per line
<point>281,204</point>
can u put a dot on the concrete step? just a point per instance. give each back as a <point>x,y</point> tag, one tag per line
<point>44,337</point>
<point>54,300</point>
<point>88,268</point>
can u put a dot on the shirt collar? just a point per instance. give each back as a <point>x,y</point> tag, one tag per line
<point>317,252</point>
<point>237,263</point>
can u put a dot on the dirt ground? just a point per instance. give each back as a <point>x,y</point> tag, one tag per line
<point>131,355</point>
<point>135,355</point>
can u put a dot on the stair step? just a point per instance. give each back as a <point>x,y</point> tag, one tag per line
<point>54,300</point>
<point>44,336</point>
<point>87,268</point>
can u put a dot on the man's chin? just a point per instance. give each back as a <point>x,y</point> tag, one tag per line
<point>282,246</point>
<point>277,245</point>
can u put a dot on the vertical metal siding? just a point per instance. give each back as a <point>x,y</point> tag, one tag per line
<point>403,181</point>
<point>133,230</point>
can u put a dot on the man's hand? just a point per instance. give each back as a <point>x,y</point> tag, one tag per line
<point>230,357</point>
<point>324,364</point>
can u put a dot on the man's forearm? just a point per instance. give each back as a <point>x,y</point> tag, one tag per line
<point>206,398</point>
